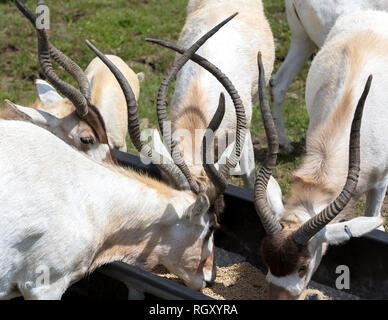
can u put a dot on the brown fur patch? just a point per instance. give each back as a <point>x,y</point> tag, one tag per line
<point>161,188</point>
<point>192,114</point>
<point>282,255</point>
<point>59,109</point>
<point>303,196</point>
<point>216,209</point>
<point>7,114</point>
<point>37,104</point>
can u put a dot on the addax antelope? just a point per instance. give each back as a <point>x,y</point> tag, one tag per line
<point>78,214</point>
<point>310,22</point>
<point>336,168</point>
<point>234,50</point>
<point>62,117</point>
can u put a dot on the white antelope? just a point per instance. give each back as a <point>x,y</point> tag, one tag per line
<point>234,50</point>
<point>99,88</point>
<point>336,168</point>
<point>67,214</point>
<point>310,22</point>
<point>57,114</point>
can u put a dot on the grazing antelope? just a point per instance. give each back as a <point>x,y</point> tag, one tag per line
<point>234,51</point>
<point>336,168</point>
<point>66,117</point>
<point>80,214</point>
<point>109,99</point>
<point>310,22</point>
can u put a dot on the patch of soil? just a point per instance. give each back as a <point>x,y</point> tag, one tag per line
<point>261,151</point>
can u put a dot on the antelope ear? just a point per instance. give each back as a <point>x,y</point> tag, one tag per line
<point>199,208</point>
<point>47,93</point>
<point>35,116</point>
<point>337,233</point>
<point>274,192</point>
<point>275,198</point>
<point>224,158</point>
<point>157,144</point>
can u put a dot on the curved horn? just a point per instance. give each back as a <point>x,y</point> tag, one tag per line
<point>166,165</point>
<point>69,65</point>
<point>315,224</point>
<point>73,69</point>
<point>45,50</point>
<point>162,98</point>
<point>270,223</point>
<point>229,87</point>
<point>218,180</point>
<point>79,99</point>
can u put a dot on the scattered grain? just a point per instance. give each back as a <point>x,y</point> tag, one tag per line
<point>240,281</point>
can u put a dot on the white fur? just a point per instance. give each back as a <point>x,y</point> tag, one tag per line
<point>47,93</point>
<point>233,49</point>
<point>59,207</point>
<point>335,233</point>
<point>322,100</point>
<point>293,283</point>
<point>310,22</point>
<point>274,192</point>
<point>108,97</point>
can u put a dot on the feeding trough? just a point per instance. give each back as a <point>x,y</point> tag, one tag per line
<point>241,233</point>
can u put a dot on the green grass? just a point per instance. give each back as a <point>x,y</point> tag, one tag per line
<point>119,27</point>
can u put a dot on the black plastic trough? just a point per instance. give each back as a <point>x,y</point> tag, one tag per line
<point>140,282</point>
<point>241,232</point>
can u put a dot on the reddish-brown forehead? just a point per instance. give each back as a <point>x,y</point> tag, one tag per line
<point>282,255</point>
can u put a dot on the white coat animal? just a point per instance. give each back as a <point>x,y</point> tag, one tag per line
<point>70,224</point>
<point>233,49</point>
<point>191,119</point>
<point>65,213</point>
<point>310,22</point>
<point>354,50</point>
<point>109,99</point>
<point>57,114</point>
<point>66,117</point>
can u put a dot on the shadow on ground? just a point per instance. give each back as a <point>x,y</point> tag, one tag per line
<point>299,150</point>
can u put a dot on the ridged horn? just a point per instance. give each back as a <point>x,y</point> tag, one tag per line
<point>47,50</point>
<point>162,100</point>
<point>218,180</point>
<point>270,223</point>
<point>305,232</point>
<point>167,166</point>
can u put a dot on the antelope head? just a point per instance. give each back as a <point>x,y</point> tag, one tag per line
<point>293,253</point>
<point>209,203</point>
<point>75,120</point>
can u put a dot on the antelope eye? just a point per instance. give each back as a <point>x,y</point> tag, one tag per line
<point>87,140</point>
<point>302,271</point>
